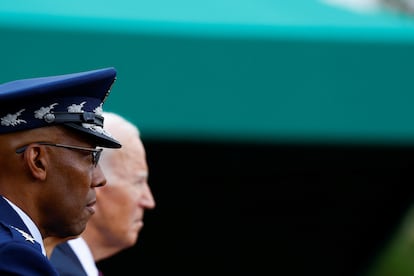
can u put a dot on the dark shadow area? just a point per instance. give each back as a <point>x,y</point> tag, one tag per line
<point>268,209</point>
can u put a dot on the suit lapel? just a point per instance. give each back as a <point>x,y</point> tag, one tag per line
<point>65,260</point>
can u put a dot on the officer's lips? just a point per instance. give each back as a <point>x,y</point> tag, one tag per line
<point>90,206</point>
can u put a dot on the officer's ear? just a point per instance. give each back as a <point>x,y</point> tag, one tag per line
<point>36,160</point>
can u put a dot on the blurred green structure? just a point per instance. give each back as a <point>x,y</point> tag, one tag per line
<point>235,70</point>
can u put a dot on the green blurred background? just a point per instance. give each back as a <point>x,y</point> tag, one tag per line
<point>300,70</point>
<point>231,75</point>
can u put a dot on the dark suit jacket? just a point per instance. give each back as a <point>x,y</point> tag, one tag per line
<point>20,254</point>
<point>66,262</point>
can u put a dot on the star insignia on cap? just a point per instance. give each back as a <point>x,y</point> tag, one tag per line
<point>27,236</point>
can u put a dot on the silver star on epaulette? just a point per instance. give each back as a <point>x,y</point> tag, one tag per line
<point>27,236</point>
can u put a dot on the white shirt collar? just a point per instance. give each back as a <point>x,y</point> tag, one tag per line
<point>84,254</point>
<point>30,225</point>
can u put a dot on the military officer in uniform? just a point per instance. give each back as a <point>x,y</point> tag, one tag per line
<point>51,138</point>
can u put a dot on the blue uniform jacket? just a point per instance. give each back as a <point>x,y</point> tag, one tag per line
<point>20,254</point>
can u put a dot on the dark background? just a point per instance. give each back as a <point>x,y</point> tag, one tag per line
<point>268,209</point>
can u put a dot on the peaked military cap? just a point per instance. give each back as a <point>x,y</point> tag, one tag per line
<point>74,100</point>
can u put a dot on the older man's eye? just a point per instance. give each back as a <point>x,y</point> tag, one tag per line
<point>140,182</point>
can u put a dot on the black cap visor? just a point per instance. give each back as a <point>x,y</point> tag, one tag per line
<point>101,139</point>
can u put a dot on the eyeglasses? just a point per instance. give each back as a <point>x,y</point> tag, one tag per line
<point>96,153</point>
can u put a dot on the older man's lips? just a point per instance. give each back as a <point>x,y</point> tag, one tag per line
<point>140,224</point>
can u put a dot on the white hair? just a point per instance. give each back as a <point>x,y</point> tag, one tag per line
<point>115,124</point>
